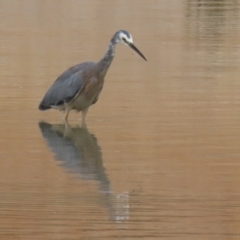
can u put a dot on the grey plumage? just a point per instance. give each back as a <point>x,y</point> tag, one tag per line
<point>80,86</point>
<point>64,91</point>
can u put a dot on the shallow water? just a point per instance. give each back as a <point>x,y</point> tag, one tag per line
<point>159,157</point>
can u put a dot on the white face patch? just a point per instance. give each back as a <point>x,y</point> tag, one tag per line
<point>123,35</point>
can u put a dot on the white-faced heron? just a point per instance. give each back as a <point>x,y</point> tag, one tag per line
<point>80,86</point>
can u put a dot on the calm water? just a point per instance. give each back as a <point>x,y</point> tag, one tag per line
<point>159,157</point>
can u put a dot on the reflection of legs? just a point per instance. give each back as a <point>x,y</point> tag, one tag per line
<point>67,128</point>
<point>84,113</point>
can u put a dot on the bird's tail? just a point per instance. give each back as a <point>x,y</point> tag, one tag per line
<point>43,107</point>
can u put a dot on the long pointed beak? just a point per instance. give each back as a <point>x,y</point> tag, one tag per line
<point>136,50</point>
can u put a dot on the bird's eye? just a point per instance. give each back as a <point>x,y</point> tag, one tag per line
<point>124,39</point>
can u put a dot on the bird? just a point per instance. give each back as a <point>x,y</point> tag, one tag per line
<point>79,87</point>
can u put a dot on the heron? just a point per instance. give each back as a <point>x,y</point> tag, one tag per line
<point>80,86</point>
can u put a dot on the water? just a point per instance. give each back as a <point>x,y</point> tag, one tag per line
<point>159,157</point>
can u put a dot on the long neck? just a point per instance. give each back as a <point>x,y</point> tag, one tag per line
<point>106,61</point>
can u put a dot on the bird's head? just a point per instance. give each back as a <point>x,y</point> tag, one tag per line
<point>125,37</point>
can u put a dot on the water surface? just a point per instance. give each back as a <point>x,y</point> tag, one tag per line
<point>159,156</point>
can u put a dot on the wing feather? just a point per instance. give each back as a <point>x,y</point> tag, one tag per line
<point>66,86</point>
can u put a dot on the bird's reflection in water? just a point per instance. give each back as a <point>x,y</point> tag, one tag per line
<point>78,151</point>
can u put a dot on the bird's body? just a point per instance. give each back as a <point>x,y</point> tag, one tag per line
<point>80,86</point>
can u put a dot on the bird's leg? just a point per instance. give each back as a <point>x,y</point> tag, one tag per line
<point>84,113</point>
<point>84,125</point>
<point>67,110</point>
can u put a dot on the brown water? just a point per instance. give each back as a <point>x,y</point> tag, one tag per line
<point>160,157</point>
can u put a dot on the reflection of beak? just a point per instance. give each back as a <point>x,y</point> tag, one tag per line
<point>136,50</point>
